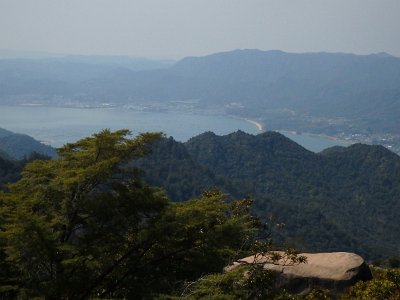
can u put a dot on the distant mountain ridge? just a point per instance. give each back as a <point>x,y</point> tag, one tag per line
<point>258,75</point>
<point>362,89</point>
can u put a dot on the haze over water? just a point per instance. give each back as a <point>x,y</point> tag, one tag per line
<point>57,126</point>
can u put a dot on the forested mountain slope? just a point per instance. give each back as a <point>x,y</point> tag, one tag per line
<point>18,146</point>
<point>10,171</point>
<point>343,199</point>
<point>170,166</point>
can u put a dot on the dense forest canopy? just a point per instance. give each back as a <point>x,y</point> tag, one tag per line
<point>19,146</point>
<point>315,195</point>
<point>84,225</point>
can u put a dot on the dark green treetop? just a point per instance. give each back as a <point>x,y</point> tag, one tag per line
<point>83,225</point>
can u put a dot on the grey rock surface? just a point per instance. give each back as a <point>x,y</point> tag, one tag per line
<point>335,271</point>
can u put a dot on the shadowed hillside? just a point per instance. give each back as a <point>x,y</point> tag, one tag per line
<point>18,146</point>
<point>343,199</point>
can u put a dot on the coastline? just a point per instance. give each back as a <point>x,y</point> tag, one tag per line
<point>329,137</point>
<point>255,123</point>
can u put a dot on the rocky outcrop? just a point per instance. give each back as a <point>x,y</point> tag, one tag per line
<point>333,271</point>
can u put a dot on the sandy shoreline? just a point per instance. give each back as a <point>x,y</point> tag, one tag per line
<point>255,123</point>
<point>260,127</point>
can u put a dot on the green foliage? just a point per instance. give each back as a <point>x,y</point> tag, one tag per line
<point>228,285</point>
<point>83,225</point>
<point>245,279</point>
<point>318,294</point>
<point>60,218</point>
<point>9,171</point>
<point>170,166</point>
<point>249,281</point>
<point>384,286</point>
<point>315,195</point>
<point>18,146</point>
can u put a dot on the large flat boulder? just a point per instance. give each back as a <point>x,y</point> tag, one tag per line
<point>333,271</point>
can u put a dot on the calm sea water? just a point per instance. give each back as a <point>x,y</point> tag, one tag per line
<point>313,142</point>
<point>56,126</point>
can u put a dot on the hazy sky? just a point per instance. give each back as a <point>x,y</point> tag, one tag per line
<point>177,28</point>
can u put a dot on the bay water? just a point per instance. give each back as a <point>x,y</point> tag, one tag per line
<point>58,125</point>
